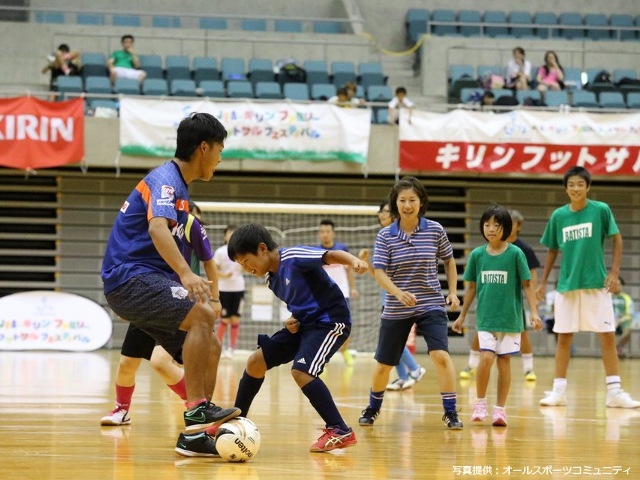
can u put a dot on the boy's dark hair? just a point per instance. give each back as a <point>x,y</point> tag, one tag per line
<point>503,218</point>
<point>124,37</point>
<point>408,183</point>
<point>63,47</point>
<point>328,221</point>
<point>577,171</point>
<point>195,129</point>
<point>342,91</point>
<point>246,239</point>
<point>520,50</point>
<point>401,90</point>
<point>383,203</point>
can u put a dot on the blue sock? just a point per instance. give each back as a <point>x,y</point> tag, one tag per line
<point>403,373</point>
<point>248,388</point>
<point>320,398</point>
<point>449,401</point>
<point>408,360</point>
<point>375,399</point>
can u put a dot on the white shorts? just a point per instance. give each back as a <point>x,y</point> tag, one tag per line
<point>589,310</point>
<point>124,72</point>
<point>500,343</point>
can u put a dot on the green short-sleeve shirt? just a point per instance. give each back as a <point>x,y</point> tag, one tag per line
<point>122,59</point>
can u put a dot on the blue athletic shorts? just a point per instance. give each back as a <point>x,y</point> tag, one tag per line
<point>310,348</point>
<point>432,325</point>
<point>156,305</point>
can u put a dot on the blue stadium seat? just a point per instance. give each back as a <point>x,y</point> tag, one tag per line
<point>322,91</point>
<point>612,100</point>
<point>584,99</point>
<point>126,86</point>
<point>620,73</point>
<point>232,68</point>
<point>633,100</point>
<point>296,91</point>
<point>499,19</point>
<point>212,88</point>
<point>152,64</point>
<point>239,89</point>
<point>205,68</point>
<point>370,73</point>
<point>591,74</point>
<point>467,93</point>
<point>470,16</point>
<point>522,95</point>
<point>260,70</point>
<point>68,85</point>
<point>177,67</point>
<point>343,72</point>
<point>572,78</point>
<point>571,19</point>
<point>164,21</point>
<point>444,15</point>
<point>269,90</point>
<point>125,20</point>
<point>542,20</point>
<point>417,14</point>
<point>597,20</point>
<point>254,24</point>
<point>181,87</point>
<point>460,71</point>
<point>382,116</point>
<point>101,85</point>
<point>416,23</point>
<point>327,26</point>
<point>621,21</point>
<point>484,70</point>
<point>291,26</point>
<point>155,86</point>
<point>379,93</point>
<point>317,71</point>
<point>93,64</point>
<point>524,19</point>
<point>90,19</point>
<point>502,92</point>
<point>50,17</point>
<point>555,98</point>
<point>207,23</point>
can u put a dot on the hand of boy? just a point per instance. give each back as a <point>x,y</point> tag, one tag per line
<point>292,325</point>
<point>536,322</point>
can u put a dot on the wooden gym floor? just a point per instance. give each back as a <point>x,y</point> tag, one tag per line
<point>51,403</point>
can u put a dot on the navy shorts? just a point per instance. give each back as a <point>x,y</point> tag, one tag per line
<point>231,302</point>
<point>155,304</point>
<point>432,325</point>
<point>139,344</point>
<point>310,348</point>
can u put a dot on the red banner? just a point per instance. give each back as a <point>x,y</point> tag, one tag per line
<point>40,134</point>
<point>470,157</point>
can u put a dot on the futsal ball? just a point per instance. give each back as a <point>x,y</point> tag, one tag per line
<point>238,440</point>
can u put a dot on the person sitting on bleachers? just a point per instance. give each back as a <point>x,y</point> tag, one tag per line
<point>125,63</point>
<point>63,61</point>
<point>518,70</point>
<point>341,99</point>
<point>551,74</point>
<point>399,101</point>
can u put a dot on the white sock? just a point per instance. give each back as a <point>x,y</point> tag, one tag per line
<point>474,359</point>
<point>481,400</point>
<point>613,384</point>
<point>527,362</point>
<point>560,385</point>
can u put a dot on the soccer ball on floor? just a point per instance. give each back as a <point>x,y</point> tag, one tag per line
<point>238,440</point>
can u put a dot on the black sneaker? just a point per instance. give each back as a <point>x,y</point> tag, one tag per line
<point>452,421</point>
<point>369,416</point>
<point>207,414</point>
<point>196,445</point>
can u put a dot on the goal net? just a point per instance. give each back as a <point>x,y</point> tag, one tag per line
<point>297,224</point>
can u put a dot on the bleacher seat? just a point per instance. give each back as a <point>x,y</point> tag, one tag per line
<point>620,73</point>
<point>152,64</point>
<point>290,26</point>
<point>125,21</point>
<point>93,64</point>
<point>49,17</point>
<point>181,87</point>
<point>570,19</point>
<point>207,23</point>
<point>155,86</point>
<point>379,93</point>
<point>232,68</point>
<point>68,85</point>
<point>205,68</point>
<point>343,72</point>
<point>555,98</point>
<point>322,91</point>
<point>327,26</point>
<point>268,90</point>
<point>317,71</point>
<point>621,21</point>
<point>470,16</point>
<point>591,74</point>
<point>522,95</point>
<point>444,15</point>
<point>502,92</point>
<point>467,93</point>
<point>416,24</point>
<point>524,22</point>
<point>260,70</point>
<point>126,86</point>
<point>100,85</point>
<point>370,73</point>
<point>633,100</point>
<point>90,19</point>
<point>177,67</point>
<point>239,89</point>
<point>611,100</point>
<point>542,20</point>
<point>382,116</point>
<point>460,77</point>
<point>597,20</point>
<point>572,78</point>
<point>499,20</point>
<point>584,99</point>
<point>212,88</point>
<point>164,21</point>
<point>484,70</point>
<point>417,14</point>
<point>254,24</point>
<point>296,91</point>
<point>460,71</point>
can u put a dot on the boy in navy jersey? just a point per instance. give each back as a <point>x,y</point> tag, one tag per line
<point>320,323</point>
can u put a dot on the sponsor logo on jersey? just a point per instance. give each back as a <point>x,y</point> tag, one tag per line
<point>494,276</point>
<point>577,232</point>
<point>167,194</point>
<point>124,207</point>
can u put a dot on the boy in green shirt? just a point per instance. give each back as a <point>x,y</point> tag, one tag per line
<point>125,63</point>
<point>583,302</point>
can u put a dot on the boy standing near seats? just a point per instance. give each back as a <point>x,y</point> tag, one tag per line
<point>583,302</point>
<point>320,323</point>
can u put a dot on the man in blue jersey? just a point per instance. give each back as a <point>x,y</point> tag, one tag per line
<point>320,323</point>
<point>143,255</point>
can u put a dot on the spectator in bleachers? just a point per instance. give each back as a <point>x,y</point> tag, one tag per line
<point>63,61</point>
<point>125,63</point>
<point>488,99</point>
<point>341,98</point>
<point>551,74</point>
<point>518,70</point>
<point>398,102</point>
<point>352,89</point>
